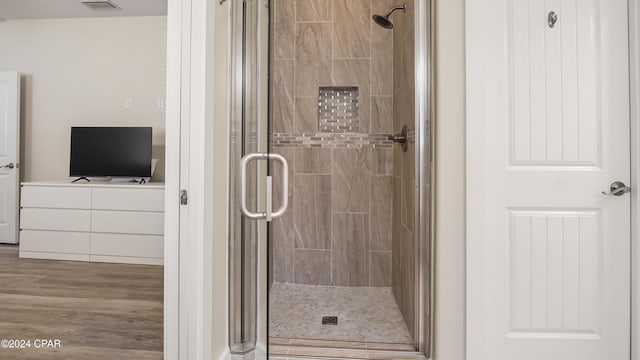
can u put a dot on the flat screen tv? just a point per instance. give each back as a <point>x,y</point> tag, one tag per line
<point>111,152</point>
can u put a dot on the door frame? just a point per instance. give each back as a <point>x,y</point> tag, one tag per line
<point>196,262</point>
<point>634,107</point>
<point>475,281</point>
<point>190,309</point>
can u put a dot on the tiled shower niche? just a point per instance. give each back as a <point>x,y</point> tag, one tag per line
<point>338,109</point>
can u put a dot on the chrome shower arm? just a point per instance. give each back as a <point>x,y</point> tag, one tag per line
<point>399,7</point>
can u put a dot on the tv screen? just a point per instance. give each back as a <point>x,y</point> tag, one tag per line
<point>110,152</point>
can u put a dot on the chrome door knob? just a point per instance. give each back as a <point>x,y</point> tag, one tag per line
<point>8,166</point>
<point>618,188</point>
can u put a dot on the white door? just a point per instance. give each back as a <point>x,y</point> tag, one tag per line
<point>9,155</point>
<point>548,267</point>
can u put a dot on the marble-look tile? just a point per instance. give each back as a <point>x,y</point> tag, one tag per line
<point>382,51</point>
<point>276,172</point>
<point>395,356</point>
<point>278,350</point>
<point>355,72</point>
<point>403,69</point>
<point>313,57</point>
<point>396,279</point>
<point>396,221</point>
<point>314,10</point>
<point>351,180</point>
<point>408,277</point>
<point>381,114</point>
<point>335,353</point>
<point>279,341</point>
<point>398,160</point>
<point>408,188</point>
<point>389,346</point>
<point>349,246</point>
<point>329,343</point>
<point>381,213</point>
<point>306,119</point>
<point>312,218</point>
<point>313,161</point>
<point>282,95</point>
<point>352,21</point>
<point>312,267</point>
<point>323,213</point>
<point>365,314</point>
<point>282,114</point>
<point>382,161</point>
<point>380,268</point>
<point>284,29</point>
<point>281,238</point>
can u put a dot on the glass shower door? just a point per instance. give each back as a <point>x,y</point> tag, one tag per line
<point>250,193</point>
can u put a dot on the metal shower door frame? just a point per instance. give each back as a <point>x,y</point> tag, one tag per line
<point>244,131</point>
<point>243,319</point>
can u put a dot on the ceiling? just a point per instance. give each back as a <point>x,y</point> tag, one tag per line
<point>49,9</point>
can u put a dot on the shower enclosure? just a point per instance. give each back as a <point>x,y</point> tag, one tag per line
<point>348,123</point>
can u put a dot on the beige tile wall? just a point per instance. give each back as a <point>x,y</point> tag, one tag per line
<point>338,228</point>
<point>403,218</point>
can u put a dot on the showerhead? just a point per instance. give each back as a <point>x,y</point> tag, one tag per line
<point>384,20</point>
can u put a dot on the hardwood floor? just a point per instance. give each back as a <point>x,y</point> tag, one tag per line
<point>96,310</point>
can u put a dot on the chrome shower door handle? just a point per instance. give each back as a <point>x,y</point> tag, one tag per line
<point>285,188</point>
<point>268,214</point>
<point>618,188</point>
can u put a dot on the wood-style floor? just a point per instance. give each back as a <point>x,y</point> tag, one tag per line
<point>97,310</point>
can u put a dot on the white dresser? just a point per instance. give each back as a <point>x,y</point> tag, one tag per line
<point>102,222</point>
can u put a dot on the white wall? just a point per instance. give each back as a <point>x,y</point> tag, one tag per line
<point>80,72</point>
<point>450,181</point>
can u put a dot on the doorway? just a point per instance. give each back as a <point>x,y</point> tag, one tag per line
<point>85,82</point>
<point>349,111</point>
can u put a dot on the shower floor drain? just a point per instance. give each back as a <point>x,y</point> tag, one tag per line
<point>329,320</point>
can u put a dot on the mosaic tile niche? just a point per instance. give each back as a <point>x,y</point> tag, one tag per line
<point>338,109</point>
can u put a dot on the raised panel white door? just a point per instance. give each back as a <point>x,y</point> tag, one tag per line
<point>9,155</point>
<point>548,256</point>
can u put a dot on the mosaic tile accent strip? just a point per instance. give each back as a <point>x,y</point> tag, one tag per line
<point>338,109</point>
<point>331,140</point>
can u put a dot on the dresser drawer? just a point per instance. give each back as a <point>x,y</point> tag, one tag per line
<point>127,222</point>
<point>127,245</point>
<point>55,241</point>
<point>55,219</point>
<point>128,199</point>
<point>61,197</point>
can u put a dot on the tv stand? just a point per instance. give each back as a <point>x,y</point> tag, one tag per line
<point>97,221</point>
<point>81,178</point>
